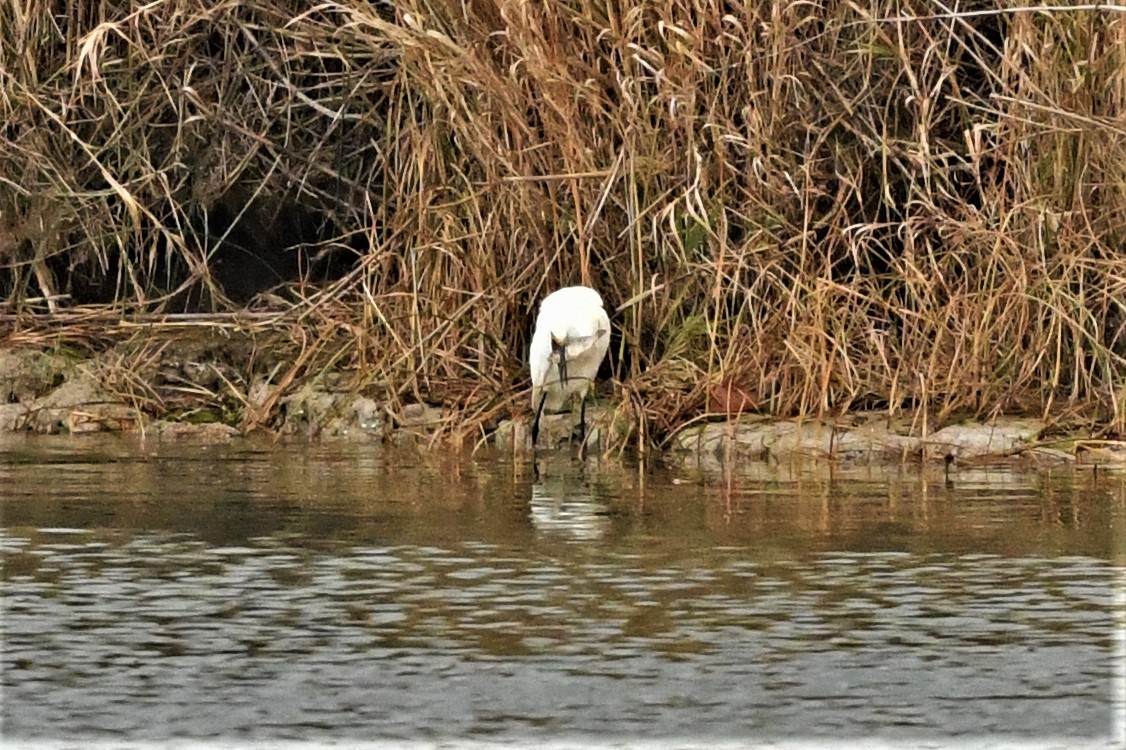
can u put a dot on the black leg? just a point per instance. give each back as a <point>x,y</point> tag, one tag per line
<point>536,420</point>
<point>582,419</point>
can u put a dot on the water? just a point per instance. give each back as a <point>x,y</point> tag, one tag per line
<point>337,594</point>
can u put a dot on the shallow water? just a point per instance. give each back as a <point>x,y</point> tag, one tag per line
<point>336,594</point>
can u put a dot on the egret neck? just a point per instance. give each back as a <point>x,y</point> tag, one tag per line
<point>559,349</point>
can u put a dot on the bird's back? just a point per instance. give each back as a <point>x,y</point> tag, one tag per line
<point>575,317</point>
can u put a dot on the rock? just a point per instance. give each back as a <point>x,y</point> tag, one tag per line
<point>355,416</point>
<point>780,440</point>
<point>513,432</point>
<point>555,430</point>
<point>312,410</point>
<point>420,415</point>
<point>308,409</point>
<point>26,375</point>
<point>863,437</point>
<point>368,414</point>
<point>754,437</point>
<point>45,392</point>
<point>1101,453</point>
<point>11,416</point>
<point>1045,455</point>
<point>873,438</point>
<point>78,405</point>
<point>977,439</point>
<point>205,432</point>
<point>259,393</point>
<point>704,438</point>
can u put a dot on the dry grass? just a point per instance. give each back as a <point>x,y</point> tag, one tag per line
<point>824,206</point>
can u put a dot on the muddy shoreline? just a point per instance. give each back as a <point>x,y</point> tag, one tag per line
<point>61,392</point>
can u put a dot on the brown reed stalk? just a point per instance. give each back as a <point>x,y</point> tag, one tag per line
<point>827,207</point>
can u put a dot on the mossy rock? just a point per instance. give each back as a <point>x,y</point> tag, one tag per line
<point>27,374</point>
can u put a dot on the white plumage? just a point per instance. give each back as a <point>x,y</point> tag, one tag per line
<point>570,341</point>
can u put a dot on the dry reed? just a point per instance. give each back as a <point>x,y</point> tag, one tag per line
<point>826,206</point>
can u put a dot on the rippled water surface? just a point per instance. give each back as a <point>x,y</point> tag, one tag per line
<point>337,594</point>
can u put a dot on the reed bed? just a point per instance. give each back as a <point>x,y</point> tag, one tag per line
<point>791,208</point>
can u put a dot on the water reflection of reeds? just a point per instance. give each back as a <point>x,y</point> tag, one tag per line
<point>343,493</point>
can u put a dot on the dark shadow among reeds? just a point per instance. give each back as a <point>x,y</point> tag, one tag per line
<point>817,207</point>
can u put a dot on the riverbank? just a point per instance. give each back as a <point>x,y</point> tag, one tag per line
<point>198,387</point>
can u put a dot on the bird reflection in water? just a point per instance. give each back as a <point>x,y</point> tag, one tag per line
<point>565,507</point>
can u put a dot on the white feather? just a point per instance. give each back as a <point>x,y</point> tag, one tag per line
<point>572,318</point>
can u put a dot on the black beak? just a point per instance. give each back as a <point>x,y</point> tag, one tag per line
<point>561,350</point>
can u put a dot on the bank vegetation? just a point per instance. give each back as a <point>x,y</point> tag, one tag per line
<point>791,208</point>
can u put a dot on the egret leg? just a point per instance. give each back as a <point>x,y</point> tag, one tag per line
<point>582,427</point>
<point>582,419</point>
<point>536,420</point>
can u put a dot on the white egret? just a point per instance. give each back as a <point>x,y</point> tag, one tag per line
<point>570,341</point>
